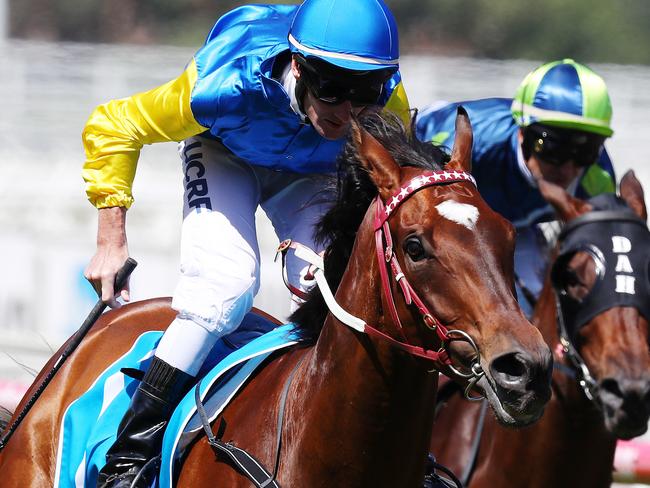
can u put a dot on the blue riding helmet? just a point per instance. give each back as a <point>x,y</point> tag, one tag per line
<point>359,35</point>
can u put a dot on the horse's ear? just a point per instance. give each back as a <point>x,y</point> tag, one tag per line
<point>375,158</point>
<point>461,154</point>
<point>632,193</point>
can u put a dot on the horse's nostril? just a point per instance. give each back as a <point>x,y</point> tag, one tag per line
<point>632,396</point>
<point>524,379</point>
<point>611,386</point>
<point>638,391</point>
<point>509,367</point>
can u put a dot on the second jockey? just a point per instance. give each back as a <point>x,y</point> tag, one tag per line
<point>262,110</point>
<point>554,128</point>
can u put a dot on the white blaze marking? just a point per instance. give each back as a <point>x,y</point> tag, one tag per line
<point>461,213</point>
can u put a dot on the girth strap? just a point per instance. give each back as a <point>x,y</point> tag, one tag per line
<point>246,463</point>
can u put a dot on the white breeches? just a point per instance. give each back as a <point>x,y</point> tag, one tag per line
<point>219,251</point>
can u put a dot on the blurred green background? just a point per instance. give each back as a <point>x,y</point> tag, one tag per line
<point>602,31</point>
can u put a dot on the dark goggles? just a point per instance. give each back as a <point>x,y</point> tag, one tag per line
<point>334,86</point>
<point>557,146</point>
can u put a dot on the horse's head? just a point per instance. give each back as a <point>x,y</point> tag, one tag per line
<point>456,260</point>
<point>601,277</point>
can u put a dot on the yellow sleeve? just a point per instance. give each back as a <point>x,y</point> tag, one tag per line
<point>398,103</point>
<point>117,130</point>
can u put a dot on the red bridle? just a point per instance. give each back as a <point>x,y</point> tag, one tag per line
<point>386,259</point>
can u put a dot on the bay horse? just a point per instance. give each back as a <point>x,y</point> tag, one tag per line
<point>359,408</point>
<point>601,379</point>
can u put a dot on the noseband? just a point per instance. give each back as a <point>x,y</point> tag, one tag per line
<point>386,259</point>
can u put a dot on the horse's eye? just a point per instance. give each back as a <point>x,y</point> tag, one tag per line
<point>573,286</point>
<point>414,249</point>
<point>571,278</point>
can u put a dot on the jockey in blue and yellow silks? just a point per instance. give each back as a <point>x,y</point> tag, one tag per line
<point>557,122</point>
<point>262,111</point>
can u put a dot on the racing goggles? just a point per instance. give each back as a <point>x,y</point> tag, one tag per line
<point>333,85</point>
<point>557,146</point>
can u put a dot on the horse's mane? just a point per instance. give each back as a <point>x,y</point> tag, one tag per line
<point>353,191</point>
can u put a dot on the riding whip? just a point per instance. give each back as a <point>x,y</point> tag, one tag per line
<point>120,279</point>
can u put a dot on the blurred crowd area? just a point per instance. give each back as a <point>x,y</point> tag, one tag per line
<point>589,30</point>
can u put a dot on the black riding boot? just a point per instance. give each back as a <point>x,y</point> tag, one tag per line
<point>139,436</point>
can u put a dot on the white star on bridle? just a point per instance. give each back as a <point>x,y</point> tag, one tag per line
<point>425,180</point>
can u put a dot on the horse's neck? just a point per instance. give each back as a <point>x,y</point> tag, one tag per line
<point>379,399</point>
<point>570,439</point>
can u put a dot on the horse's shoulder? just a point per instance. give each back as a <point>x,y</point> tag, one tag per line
<point>280,371</point>
<point>281,365</point>
<point>250,420</point>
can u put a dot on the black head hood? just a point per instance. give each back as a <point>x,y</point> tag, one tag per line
<point>619,242</point>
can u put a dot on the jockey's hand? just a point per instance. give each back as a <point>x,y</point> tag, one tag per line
<point>112,251</point>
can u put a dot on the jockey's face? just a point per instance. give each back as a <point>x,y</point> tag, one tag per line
<point>330,121</point>
<point>560,174</point>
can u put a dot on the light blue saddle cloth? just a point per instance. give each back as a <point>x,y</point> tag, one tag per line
<point>90,423</point>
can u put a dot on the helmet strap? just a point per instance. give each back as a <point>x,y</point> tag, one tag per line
<point>526,144</point>
<point>301,93</point>
<point>295,88</point>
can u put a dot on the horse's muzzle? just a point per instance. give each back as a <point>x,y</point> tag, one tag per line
<point>626,406</point>
<point>522,383</point>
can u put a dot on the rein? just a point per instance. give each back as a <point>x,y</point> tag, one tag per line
<point>387,260</point>
<point>580,369</point>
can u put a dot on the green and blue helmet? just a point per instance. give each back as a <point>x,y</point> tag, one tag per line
<point>564,94</point>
